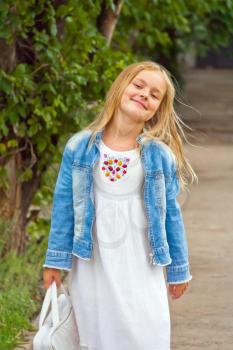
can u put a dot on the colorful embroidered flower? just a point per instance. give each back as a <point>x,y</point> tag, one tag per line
<point>114,168</point>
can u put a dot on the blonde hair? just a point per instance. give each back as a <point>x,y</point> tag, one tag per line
<point>164,126</point>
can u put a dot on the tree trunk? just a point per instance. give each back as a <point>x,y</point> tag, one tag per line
<point>16,199</point>
<point>8,58</point>
<point>107,19</point>
<point>15,203</point>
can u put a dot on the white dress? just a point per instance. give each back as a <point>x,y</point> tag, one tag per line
<point>120,300</point>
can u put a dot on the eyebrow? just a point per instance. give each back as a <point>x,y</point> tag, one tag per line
<point>143,81</point>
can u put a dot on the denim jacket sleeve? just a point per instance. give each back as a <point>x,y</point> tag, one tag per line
<point>60,243</point>
<point>178,270</point>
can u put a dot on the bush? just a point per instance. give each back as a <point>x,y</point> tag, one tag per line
<point>21,289</point>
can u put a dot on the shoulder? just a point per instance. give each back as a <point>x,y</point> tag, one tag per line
<point>165,151</point>
<point>166,154</point>
<point>78,138</point>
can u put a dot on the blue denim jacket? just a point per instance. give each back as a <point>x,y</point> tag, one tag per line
<point>73,209</point>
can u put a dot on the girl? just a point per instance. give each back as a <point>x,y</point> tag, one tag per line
<point>116,221</point>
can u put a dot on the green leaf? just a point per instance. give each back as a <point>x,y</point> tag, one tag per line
<point>13,117</point>
<point>53,29</point>
<point>20,71</point>
<point>12,143</point>
<point>41,145</point>
<point>3,128</point>
<point>32,130</point>
<point>2,148</point>
<point>26,175</point>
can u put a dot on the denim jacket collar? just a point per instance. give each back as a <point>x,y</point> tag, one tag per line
<point>99,134</point>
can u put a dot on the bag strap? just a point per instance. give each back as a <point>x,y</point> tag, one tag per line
<point>55,314</point>
<point>51,298</point>
<point>66,293</point>
<point>45,307</point>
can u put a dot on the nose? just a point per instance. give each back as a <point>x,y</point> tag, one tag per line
<point>144,93</point>
<point>143,97</point>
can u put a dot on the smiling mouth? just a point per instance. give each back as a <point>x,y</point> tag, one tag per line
<point>139,103</point>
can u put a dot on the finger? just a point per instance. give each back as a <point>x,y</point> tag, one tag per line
<point>175,296</point>
<point>178,291</point>
<point>47,284</point>
<point>58,281</point>
<point>49,281</point>
<point>175,292</point>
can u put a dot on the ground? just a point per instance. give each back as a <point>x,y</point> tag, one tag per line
<point>202,317</point>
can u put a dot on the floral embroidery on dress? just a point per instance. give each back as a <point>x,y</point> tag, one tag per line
<point>114,168</point>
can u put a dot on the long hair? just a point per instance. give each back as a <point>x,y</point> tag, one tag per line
<point>164,126</point>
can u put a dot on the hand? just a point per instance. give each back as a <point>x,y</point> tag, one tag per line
<point>50,275</point>
<point>176,290</point>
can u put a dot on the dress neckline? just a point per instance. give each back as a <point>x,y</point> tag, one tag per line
<point>120,152</point>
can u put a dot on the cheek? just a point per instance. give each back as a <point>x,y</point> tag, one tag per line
<point>129,92</point>
<point>154,105</point>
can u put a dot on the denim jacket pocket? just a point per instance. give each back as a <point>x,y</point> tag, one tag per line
<point>159,187</point>
<point>79,177</point>
<point>80,183</point>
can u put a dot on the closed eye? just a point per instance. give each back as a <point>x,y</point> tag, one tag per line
<point>140,87</point>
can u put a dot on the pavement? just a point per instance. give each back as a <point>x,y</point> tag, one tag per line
<point>203,317</point>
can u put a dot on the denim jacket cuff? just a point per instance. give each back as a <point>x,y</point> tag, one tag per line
<point>178,274</point>
<point>58,260</point>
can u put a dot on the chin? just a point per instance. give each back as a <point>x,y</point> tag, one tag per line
<point>134,109</point>
<point>136,113</point>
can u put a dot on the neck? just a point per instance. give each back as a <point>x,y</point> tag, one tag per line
<point>122,130</point>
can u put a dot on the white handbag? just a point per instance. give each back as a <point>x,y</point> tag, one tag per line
<point>57,325</point>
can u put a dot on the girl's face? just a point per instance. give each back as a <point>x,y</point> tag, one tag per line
<point>142,97</point>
